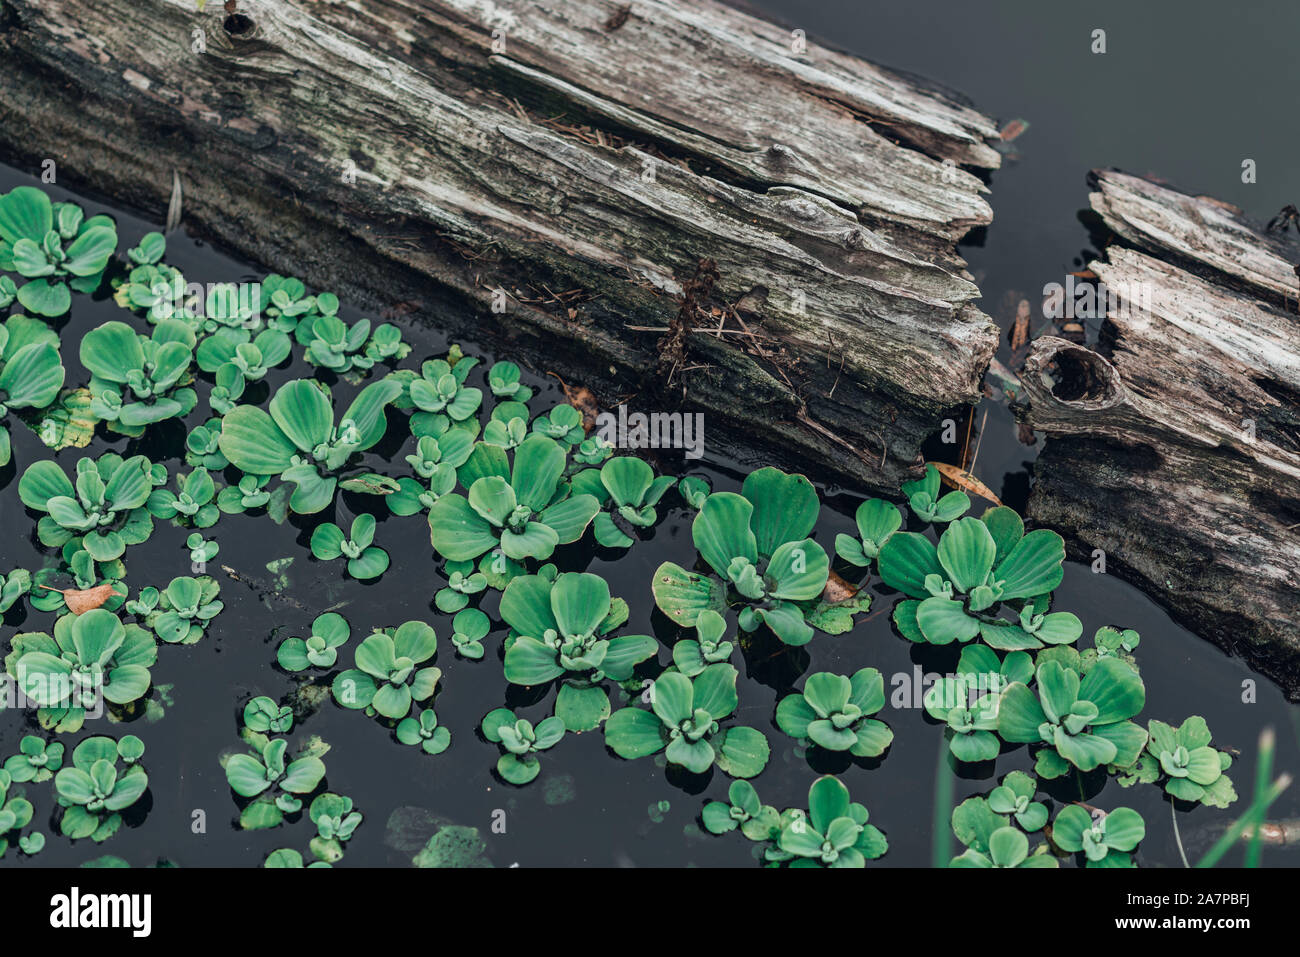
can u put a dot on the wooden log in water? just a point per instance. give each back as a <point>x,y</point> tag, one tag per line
<point>579,162</point>
<point>1174,445</point>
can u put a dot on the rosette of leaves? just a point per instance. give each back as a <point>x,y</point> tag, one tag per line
<point>834,712</point>
<point>694,490</point>
<point>968,701</point>
<point>503,379</point>
<point>439,392</point>
<point>53,247</point>
<point>286,304</point>
<point>992,841</point>
<point>469,628</point>
<point>709,647</point>
<point>956,588</point>
<point>299,440</point>
<point>89,655</point>
<point>435,461</point>
<point>388,676</point>
<point>15,814</point>
<point>876,520</point>
<point>1105,839</point>
<point>520,509</point>
<point>191,505</point>
<point>628,492</point>
<point>104,511</point>
<point>333,344</point>
<point>462,582</point>
<point>684,723</point>
<point>520,743</point>
<point>37,760</point>
<point>13,586</point>
<point>928,505</point>
<point>228,385</point>
<point>757,545</point>
<point>203,448</point>
<point>560,629</point>
<point>1014,797</point>
<point>151,285</point>
<point>288,857</point>
<point>264,716</point>
<point>249,493</point>
<point>86,574</point>
<point>251,356</point>
<point>329,633</point>
<point>1081,722</point>
<point>424,731</point>
<point>592,450</point>
<point>1191,769</point>
<point>506,433</point>
<point>562,423</point>
<point>1113,643</point>
<point>834,833</point>
<point>105,778</point>
<point>202,550</point>
<point>31,373</point>
<point>137,380</point>
<point>335,822</point>
<point>365,559</point>
<point>180,613</point>
<point>276,782</point>
<point>742,809</point>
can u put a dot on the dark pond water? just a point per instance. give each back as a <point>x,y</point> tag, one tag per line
<point>1149,104</point>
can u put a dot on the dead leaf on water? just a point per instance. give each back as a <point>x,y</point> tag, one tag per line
<point>838,589</point>
<point>582,399</point>
<point>960,478</point>
<point>81,600</point>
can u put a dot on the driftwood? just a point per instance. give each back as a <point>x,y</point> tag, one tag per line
<point>583,158</point>
<point>1175,446</point>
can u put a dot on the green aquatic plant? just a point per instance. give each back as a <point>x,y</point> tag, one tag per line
<point>955,588</point>
<point>103,512</point>
<point>191,505</point>
<point>286,303</point>
<point>1081,722</point>
<point>203,446</point>
<point>520,742</point>
<point>438,391</point>
<point>54,247</point>
<point>1106,839</point>
<point>37,760</point>
<point>1014,797</point>
<point>469,628</point>
<point>992,841</point>
<point>833,833</point>
<point>1184,761</point>
<point>264,716</point>
<point>628,492</point>
<point>743,810</point>
<point>928,505</point>
<point>516,512</point>
<point>387,676</point>
<point>180,613</point>
<point>299,440</point>
<point>335,821</point>
<point>269,772</point>
<point>684,723</point>
<point>246,495</point>
<point>876,520</point>
<point>562,423</point>
<point>560,629</point>
<point>424,731</point>
<point>329,633</point>
<point>90,655</point>
<point>86,574</point>
<point>333,344</point>
<point>15,814</point>
<point>13,586</point>
<point>137,380</point>
<point>757,545</point>
<point>834,712</point>
<point>709,647</point>
<point>31,372</point>
<point>462,582</point>
<point>202,550</point>
<point>504,381</point>
<point>967,702</point>
<point>250,356</point>
<point>105,778</point>
<point>365,560</point>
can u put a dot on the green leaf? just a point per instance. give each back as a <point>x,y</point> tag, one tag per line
<point>785,509</point>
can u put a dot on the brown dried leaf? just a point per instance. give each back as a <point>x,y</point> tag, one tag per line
<point>582,399</point>
<point>1020,327</point>
<point>960,478</point>
<point>838,589</point>
<point>80,601</point>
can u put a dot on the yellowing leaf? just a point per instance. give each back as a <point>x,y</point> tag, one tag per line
<point>960,478</point>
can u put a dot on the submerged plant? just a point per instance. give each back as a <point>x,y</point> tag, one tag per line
<point>560,630</point>
<point>104,511</point>
<point>105,779</point>
<point>31,372</point>
<point>520,743</point>
<point>365,560</point>
<point>299,440</point>
<point>52,246</point>
<point>834,712</point>
<point>137,380</point>
<point>758,546</point>
<point>684,723</point>
<point>387,676</point>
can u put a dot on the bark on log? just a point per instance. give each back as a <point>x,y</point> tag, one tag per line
<point>601,147</point>
<point>1175,447</point>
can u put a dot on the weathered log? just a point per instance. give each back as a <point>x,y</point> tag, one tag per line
<point>1175,446</point>
<point>580,158</point>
